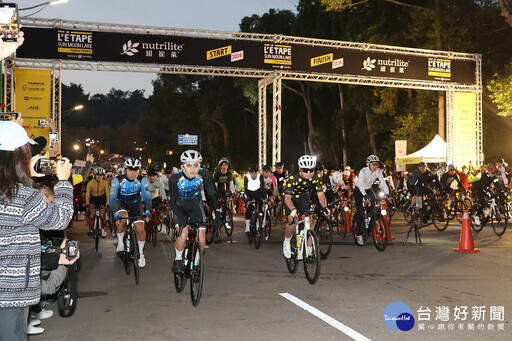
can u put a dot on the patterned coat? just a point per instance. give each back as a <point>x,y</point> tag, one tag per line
<point>20,246</point>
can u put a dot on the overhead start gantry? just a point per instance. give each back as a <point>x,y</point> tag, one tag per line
<point>59,45</point>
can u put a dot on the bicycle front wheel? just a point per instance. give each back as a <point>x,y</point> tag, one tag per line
<point>477,219</point>
<point>228,221</point>
<point>196,266</point>
<point>323,230</point>
<point>341,223</point>
<point>379,229</point>
<point>267,229</point>
<point>67,296</point>
<point>408,212</point>
<point>499,219</point>
<point>126,255</point>
<point>440,218</point>
<point>97,233</point>
<point>258,231</point>
<point>134,251</point>
<point>292,263</point>
<point>311,257</point>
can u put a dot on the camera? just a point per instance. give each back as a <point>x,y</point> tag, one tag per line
<point>71,249</point>
<point>8,116</point>
<point>9,26</point>
<point>54,138</point>
<point>47,166</point>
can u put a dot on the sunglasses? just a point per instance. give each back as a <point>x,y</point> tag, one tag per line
<point>192,165</point>
<point>133,169</point>
<point>308,170</point>
<point>374,163</point>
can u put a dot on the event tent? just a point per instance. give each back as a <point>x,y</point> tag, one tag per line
<point>435,151</point>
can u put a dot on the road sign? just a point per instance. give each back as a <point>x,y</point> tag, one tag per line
<point>187,140</point>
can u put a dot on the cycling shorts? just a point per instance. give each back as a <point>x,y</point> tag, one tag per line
<point>134,209</point>
<point>191,208</point>
<point>98,201</point>
<point>301,203</point>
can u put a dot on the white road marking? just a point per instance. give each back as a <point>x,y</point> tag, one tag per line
<point>326,318</point>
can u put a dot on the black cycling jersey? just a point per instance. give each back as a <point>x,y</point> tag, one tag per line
<point>223,180</point>
<point>297,185</point>
<point>281,179</point>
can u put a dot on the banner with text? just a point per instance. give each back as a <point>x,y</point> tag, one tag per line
<point>464,129</point>
<point>242,54</point>
<point>33,100</point>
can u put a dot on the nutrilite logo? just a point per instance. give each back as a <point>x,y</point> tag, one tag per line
<point>153,49</point>
<point>395,65</point>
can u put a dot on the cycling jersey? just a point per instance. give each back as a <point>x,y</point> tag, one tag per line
<point>252,185</point>
<point>447,180</point>
<point>124,191</point>
<point>183,188</point>
<point>281,178</point>
<point>367,178</point>
<point>156,189</point>
<point>297,185</point>
<point>96,189</point>
<point>224,182</point>
<point>270,181</point>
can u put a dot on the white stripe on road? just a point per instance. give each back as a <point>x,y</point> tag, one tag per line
<point>326,318</point>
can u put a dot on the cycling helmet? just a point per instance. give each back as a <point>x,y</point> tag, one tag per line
<point>132,163</point>
<point>500,160</point>
<point>451,167</point>
<point>191,156</point>
<point>319,167</point>
<point>279,165</point>
<point>152,171</point>
<point>110,175</point>
<point>265,167</point>
<point>253,168</point>
<point>99,171</point>
<point>372,158</point>
<point>337,178</point>
<point>223,160</point>
<point>307,161</point>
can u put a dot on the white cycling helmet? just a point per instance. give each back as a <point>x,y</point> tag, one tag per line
<point>223,160</point>
<point>372,158</point>
<point>99,170</point>
<point>191,156</point>
<point>337,178</point>
<point>307,161</point>
<point>132,163</point>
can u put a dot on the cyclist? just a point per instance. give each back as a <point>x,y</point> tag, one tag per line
<point>447,181</point>
<point>96,198</point>
<point>271,186</point>
<point>481,187</point>
<point>254,189</point>
<point>367,176</point>
<point>326,185</point>
<point>281,175</point>
<point>296,196</point>
<point>224,181</point>
<point>501,172</point>
<point>156,190</point>
<point>186,201</point>
<point>125,200</point>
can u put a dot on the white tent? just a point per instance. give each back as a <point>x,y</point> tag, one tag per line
<point>435,151</point>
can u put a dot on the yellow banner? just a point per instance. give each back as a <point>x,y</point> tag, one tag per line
<point>464,128</point>
<point>217,53</point>
<point>326,58</point>
<point>33,99</point>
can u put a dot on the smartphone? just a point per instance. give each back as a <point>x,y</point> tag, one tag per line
<point>71,249</point>
<point>9,25</point>
<point>8,116</point>
<point>47,166</point>
<point>45,123</point>
<point>54,138</point>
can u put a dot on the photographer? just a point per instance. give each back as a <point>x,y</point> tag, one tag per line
<point>23,211</point>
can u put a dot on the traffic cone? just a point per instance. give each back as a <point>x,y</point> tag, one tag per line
<point>466,237</point>
<point>385,215</point>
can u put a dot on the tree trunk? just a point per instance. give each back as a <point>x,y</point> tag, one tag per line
<point>506,10</point>
<point>343,132</point>
<point>221,123</point>
<point>370,133</point>
<point>307,102</point>
<point>441,106</point>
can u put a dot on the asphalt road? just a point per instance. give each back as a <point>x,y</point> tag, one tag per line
<point>248,294</point>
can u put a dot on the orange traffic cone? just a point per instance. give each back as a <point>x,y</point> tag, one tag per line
<point>385,215</point>
<point>466,237</point>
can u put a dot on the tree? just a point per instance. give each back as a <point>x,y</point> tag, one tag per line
<point>506,10</point>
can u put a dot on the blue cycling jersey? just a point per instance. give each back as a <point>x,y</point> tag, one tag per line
<point>128,191</point>
<point>189,188</point>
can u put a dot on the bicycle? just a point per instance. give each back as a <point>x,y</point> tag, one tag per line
<point>309,255</point>
<point>151,226</point>
<point>194,267</point>
<point>415,226</point>
<point>227,215</point>
<point>494,212</point>
<point>67,294</point>
<point>342,218</point>
<point>374,224</point>
<point>96,231</point>
<point>324,231</point>
<point>131,254</point>
<point>109,221</point>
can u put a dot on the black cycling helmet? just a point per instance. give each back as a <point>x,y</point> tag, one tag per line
<point>319,166</point>
<point>265,167</point>
<point>279,165</point>
<point>253,168</point>
<point>152,171</point>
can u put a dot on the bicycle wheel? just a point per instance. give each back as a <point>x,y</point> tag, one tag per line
<point>408,212</point>
<point>267,229</point>
<point>196,266</point>
<point>67,296</point>
<point>210,233</point>
<point>459,207</point>
<point>311,257</point>
<point>341,223</point>
<point>154,232</point>
<point>179,278</point>
<point>97,232</point>
<point>499,219</point>
<point>252,228</point>
<point>126,255</point>
<point>380,237</point>
<point>134,255</point>
<point>228,221</point>
<point>292,263</point>
<point>323,230</point>
<point>440,218</point>
<point>391,206</point>
<point>258,231</point>
<point>477,219</point>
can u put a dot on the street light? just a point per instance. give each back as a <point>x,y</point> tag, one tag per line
<point>42,5</point>
<point>67,112</point>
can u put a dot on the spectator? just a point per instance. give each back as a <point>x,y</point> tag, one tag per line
<point>23,211</point>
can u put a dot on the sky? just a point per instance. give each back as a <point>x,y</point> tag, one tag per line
<point>218,15</point>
